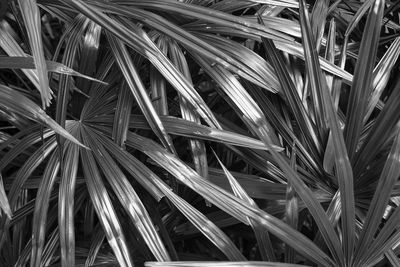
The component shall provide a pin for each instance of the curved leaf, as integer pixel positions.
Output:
(13, 101)
(31, 14)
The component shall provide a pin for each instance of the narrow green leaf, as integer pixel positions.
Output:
(201, 222)
(138, 39)
(282, 127)
(392, 258)
(291, 210)
(24, 255)
(41, 209)
(387, 180)
(31, 15)
(262, 236)
(136, 168)
(158, 83)
(122, 114)
(246, 107)
(358, 16)
(52, 66)
(262, 73)
(198, 147)
(4, 205)
(334, 85)
(12, 48)
(135, 83)
(234, 206)
(97, 242)
(391, 240)
(189, 40)
(382, 130)
(306, 125)
(313, 73)
(318, 20)
(128, 197)
(209, 15)
(255, 186)
(27, 169)
(13, 101)
(344, 170)
(23, 145)
(362, 81)
(193, 130)
(280, 24)
(89, 54)
(282, 3)
(71, 37)
(66, 201)
(51, 247)
(382, 74)
(296, 49)
(104, 208)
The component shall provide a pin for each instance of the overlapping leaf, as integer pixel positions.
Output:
(104, 208)
(128, 197)
(13, 101)
(135, 83)
(362, 81)
(28, 63)
(232, 205)
(31, 15)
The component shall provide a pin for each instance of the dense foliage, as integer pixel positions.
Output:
(199, 133)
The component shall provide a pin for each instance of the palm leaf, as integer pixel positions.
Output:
(71, 38)
(69, 169)
(209, 15)
(97, 242)
(128, 197)
(282, 3)
(262, 236)
(201, 222)
(122, 115)
(362, 81)
(246, 107)
(104, 208)
(381, 75)
(135, 83)
(306, 125)
(189, 129)
(138, 40)
(5, 206)
(41, 209)
(392, 258)
(342, 162)
(12, 101)
(23, 145)
(89, 53)
(12, 48)
(194, 130)
(232, 205)
(22, 175)
(16, 62)
(382, 194)
(137, 169)
(158, 83)
(31, 15)
(291, 210)
(318, 20)
(198, 147)
(382, 131)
